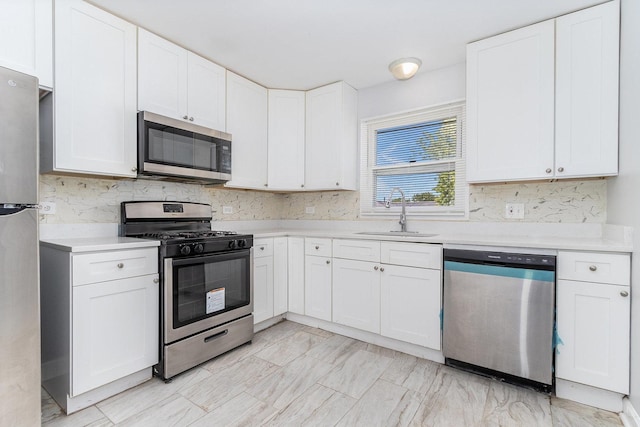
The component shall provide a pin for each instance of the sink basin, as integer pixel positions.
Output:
(397, 233)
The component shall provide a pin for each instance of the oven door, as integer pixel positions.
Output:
(205, 291)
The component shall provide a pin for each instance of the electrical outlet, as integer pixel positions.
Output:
(227, 210)
(47, 208)
(514, 211)
(310, 210)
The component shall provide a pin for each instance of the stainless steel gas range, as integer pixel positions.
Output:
(206, 297)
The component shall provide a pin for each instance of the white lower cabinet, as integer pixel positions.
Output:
(115, 330)
(593, 320)
(269, 278)
(356, 294)
(317, 287)
(295, 267)
(410, 305)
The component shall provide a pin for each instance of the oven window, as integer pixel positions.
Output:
(208, 286)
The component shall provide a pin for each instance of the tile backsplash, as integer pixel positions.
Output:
(94, 200)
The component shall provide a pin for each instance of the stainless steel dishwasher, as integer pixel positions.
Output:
(498, 314)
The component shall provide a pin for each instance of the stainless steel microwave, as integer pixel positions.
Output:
(173, 149)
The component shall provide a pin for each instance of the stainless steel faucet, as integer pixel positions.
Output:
(403, 215)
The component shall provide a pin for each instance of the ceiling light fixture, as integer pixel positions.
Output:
(404, 68)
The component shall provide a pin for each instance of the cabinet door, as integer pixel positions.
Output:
(114, 330)
(410, 305)
(286, 139)
(331, 138)
(95, 97)
(587, 58)
(356, 294)
(510, 105)
(247, 123)
(262, 288)
(317, 287)
(206, 93)
(593, 326)
(280, 276)
(295, 266)
(162, 76)
(26, 43)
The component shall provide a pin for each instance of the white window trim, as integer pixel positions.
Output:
(367, 159)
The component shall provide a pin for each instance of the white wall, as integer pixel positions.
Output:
(624, 191)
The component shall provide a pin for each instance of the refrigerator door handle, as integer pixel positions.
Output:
(11, 208)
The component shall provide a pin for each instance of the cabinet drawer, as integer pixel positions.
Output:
(412, 254)
(262, 247)
(594, 267)
(102, 266)
(363, 250)
(320, 247)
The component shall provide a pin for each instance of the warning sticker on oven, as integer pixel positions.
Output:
(215, 300)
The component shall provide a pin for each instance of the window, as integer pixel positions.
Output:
(420, 152)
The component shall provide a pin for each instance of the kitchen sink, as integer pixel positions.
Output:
(397, 233)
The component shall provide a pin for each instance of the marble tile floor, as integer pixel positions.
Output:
(294, 375)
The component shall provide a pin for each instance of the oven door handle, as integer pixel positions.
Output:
(215, 257)
(216, 336)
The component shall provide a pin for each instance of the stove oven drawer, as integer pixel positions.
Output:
(98, 267)
(183, 355)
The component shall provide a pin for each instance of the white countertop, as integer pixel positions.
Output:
(599, 244)
(92, 244)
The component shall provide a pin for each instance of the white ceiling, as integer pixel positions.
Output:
(302, 44)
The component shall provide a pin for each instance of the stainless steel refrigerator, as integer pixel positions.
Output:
(19, 270)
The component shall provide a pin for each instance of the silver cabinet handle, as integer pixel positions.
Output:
(593, 268)
(266, 185)
(548, 170)
(120, 265)
(134, 169)
(156, 280)
(560, 169)
(262, 248)
(337, 183)
(190, 119)
(381, 268)
(375, 268)
(624, 293)
(317, 247)
(301, 185)
(328, 262)
(185, 117)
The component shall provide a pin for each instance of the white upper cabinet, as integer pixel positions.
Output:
(177, 83)
(542, 101)
(95, 96)
(247, 124)
(587, 46)
(331, 138)
(286, 140)
(510, 105)
(26, 38)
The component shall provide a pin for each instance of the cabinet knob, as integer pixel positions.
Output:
(262, 248)
(328, 262)
(134, 169)
(548, 170)
(593, 268)
(381, 268)
(624, 294)
(120, 265)
(156, 280)
(375, 268)
(301, 185)
(185, 117)
(337, 183)
(317, 247)
(266, 185)
(190, 119)
(560, 169)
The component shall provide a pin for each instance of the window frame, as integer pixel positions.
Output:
(368, 133)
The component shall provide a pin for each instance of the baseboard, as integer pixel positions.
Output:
(629, 415)
(587, 395)
(369, 337)
(267, 323)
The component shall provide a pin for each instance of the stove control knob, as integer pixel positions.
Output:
(233, 244)
(185, 250)
(198, 248)
(242, 243)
